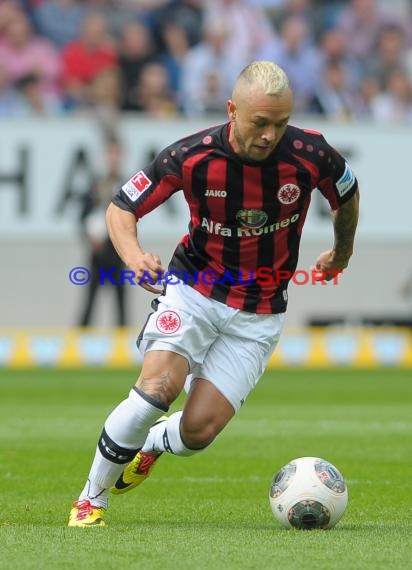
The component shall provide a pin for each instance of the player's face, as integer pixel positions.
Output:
(258, 122)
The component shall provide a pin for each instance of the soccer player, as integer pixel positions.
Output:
(248, 184)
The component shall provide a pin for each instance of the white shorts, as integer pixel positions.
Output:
(226, 346)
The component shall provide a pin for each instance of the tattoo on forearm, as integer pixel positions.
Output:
(345, 223)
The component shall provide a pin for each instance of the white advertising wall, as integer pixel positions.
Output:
(46, 165)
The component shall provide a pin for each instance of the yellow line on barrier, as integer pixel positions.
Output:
(115, 348)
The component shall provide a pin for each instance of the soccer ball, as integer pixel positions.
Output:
(308, 493)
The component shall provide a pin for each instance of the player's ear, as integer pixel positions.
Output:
(231, 110)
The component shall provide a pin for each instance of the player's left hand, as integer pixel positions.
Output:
(328, 266)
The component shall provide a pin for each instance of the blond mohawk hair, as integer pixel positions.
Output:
(267, 75)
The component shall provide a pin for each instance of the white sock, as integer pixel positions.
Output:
(125, 431)
(165, 436)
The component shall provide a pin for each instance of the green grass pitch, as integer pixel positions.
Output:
(209, 511)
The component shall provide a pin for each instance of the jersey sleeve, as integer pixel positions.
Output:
(337, 182)
(152, 185)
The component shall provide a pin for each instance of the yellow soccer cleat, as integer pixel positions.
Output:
(84, 514)
(135, 473)
(138, 469)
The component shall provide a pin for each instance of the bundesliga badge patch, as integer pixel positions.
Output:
(136, 185)
(346, 181)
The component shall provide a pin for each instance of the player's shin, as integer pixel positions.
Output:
(124, 432)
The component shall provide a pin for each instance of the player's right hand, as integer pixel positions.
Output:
(149, 272)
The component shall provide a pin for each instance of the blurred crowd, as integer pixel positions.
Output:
(347, 60)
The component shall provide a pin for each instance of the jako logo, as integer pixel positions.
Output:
(216, 193)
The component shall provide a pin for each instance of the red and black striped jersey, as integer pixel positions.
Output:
(244, 215)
